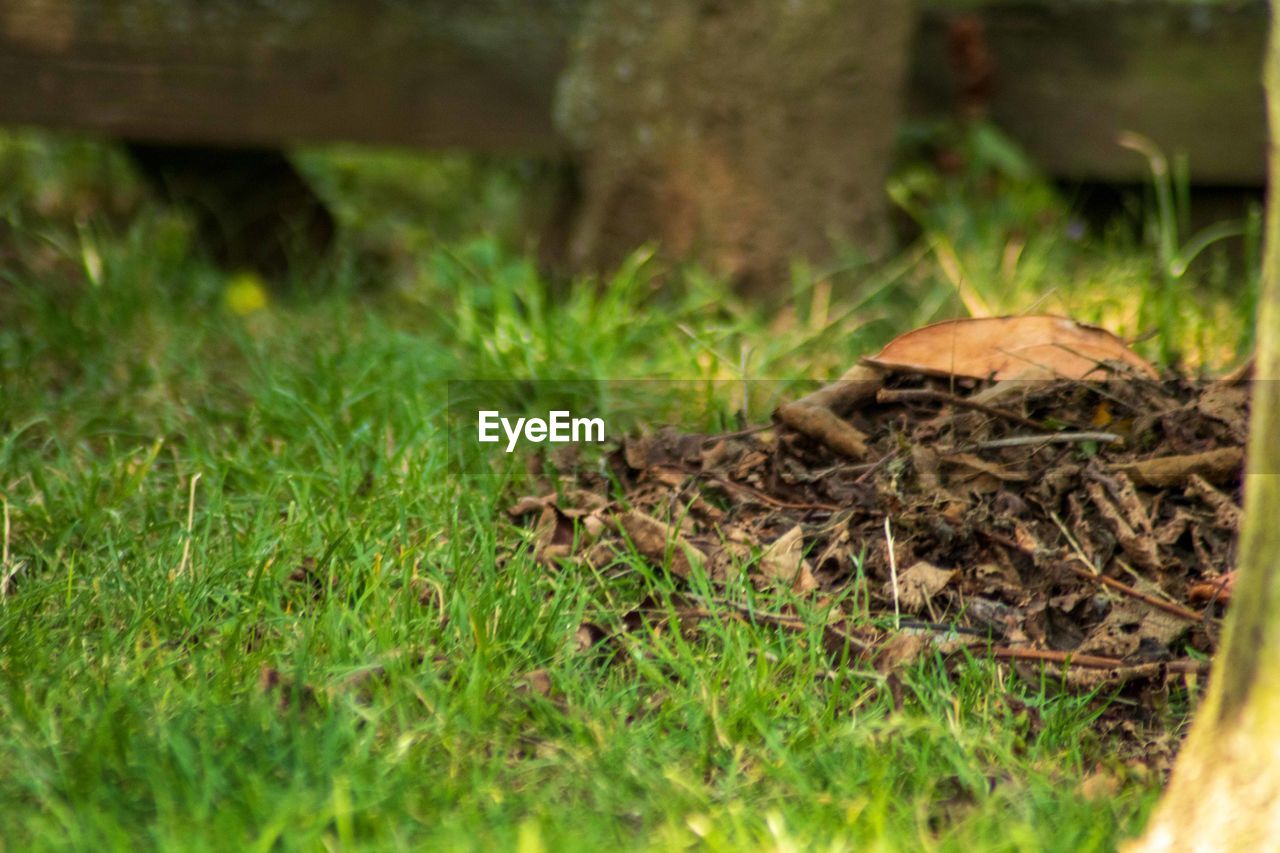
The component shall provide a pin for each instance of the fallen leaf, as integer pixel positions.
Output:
(588, 636)
(1140, 546)
(783, 562)
(553, 534)
(1024, 347)
(651, 538)
(982, 466)
(927, 463)
(1216, 590)
(918, 584)
(901, 651)
(535, 682)
(529, 505)
(1228, 404)
(1219, 465)
(1227, 515)
(1130, 625)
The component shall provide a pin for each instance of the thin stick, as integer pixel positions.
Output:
(903, 395)
(1096, 662)
(1049, 438)
(191, 517)
(1074, 544)
(875, 466)
(1096, 575)
(4, 553)
(893, 573)
(1167, 606)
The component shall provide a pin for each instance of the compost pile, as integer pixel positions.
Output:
(1085, 523)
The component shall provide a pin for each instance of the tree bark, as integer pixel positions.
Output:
(741, 134)
(1225, 790)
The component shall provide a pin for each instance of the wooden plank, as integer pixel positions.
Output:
(1070, 74)
(431, 73)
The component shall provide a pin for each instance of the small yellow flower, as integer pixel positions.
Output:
(246, 293)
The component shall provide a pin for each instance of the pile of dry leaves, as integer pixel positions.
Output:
(1026, 488)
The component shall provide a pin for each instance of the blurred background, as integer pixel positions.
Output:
(1099, 159)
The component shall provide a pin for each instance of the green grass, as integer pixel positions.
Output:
(166, 464)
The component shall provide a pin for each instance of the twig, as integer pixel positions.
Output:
(818, 415)
(1167, 606)
(822, 424)
(842, 468)
(1049, 438)
(781, 620)
(1095, 661)
(875, 466)
(1094, 574)
(903, 395)
(893, 573)
(1074, 544)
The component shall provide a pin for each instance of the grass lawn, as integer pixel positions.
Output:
(249, 605)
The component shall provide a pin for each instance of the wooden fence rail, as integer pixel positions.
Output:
(1069, 75)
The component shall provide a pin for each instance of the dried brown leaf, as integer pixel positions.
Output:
(1229, 404)
(983, 466)
(530, 505)
(651, 538)
(1220, 465)
(1226, 514)
(1140, 547)
(535, 682)
(1214, 590)
(1022, 347)
(902, 650)
(1130, 625)
(919, 583)
(783, 562)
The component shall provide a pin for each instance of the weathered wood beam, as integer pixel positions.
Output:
(432, 73)
(1069, 74)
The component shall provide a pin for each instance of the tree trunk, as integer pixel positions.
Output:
(1225, 789)
(742, 134)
